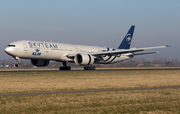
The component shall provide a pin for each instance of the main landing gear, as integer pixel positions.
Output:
(89, 68)
(65, 67)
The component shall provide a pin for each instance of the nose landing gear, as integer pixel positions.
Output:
(17, 65)
(16, 61)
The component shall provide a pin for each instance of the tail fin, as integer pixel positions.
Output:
(125, 44)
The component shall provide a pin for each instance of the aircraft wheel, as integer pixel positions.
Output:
(85, 68)
(89, 68)
(64, 68)
(68, 68)
(17, 65)
(93, 68)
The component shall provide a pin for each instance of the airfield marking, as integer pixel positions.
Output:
(86, 91)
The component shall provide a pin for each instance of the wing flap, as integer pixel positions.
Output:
(156, 47)
(145, 53)
(116, 52)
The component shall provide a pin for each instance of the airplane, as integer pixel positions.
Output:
(41, 53)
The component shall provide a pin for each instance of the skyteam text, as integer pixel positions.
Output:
(43, 45)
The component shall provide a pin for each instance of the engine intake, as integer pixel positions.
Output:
(83, 59)
(37, 62)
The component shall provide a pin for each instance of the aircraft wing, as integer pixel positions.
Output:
(132, 50)
(123, 51)
(110, 53)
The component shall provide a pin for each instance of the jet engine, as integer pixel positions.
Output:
(37, 62)
(83, 59)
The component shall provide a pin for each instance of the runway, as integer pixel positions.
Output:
(112, 69)
(85, 91)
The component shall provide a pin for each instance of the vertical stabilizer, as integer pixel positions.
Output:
(126, 43)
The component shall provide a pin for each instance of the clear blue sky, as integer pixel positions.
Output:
(93, 22)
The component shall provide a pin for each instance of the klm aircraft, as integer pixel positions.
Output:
(40, 53)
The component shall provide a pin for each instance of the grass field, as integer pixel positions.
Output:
(141, 102)
(144, 102)
(85, 80)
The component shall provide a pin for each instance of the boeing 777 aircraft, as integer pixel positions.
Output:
(41, 53)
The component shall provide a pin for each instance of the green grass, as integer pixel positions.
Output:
(146, 101)
(85, 80)
(165, 101)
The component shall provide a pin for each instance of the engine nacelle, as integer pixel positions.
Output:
(83, 59)
(37, 62)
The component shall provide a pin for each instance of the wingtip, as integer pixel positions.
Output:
(169, 45)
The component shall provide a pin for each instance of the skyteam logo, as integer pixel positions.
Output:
(37, 53)
(128, 38)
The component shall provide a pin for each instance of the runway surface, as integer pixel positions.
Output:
(128, 69)
(85, 91)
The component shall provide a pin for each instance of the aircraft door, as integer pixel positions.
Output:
(47, 53)
(77, 50)
(47, 50)
(25, 47)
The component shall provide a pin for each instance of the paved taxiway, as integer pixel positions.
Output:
(131, 69)
(85, 91)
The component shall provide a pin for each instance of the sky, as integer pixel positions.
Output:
(92, 22)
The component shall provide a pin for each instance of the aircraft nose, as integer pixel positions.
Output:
(8, 50)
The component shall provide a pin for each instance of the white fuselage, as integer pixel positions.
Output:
(58, 51)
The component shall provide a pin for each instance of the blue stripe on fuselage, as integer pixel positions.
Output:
(106, 55)
(111, 60)
(107, 59)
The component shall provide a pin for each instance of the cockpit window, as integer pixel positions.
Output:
(11, 45)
